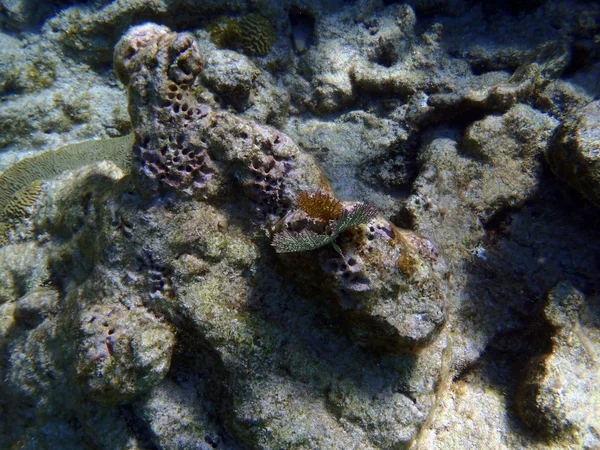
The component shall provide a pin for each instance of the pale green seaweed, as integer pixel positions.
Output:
(50, 164)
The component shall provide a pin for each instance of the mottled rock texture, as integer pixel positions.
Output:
(382, 279)
(575, 151)
(170, 270)
(558, 393)
(439, 114)
(400, 304)
(64, 353)
(122, 353)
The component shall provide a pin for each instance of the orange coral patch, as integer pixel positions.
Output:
(319, 205)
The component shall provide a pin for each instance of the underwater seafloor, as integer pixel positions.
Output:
(299, 224)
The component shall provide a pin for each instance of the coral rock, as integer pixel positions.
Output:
(159, 68)
(122, 353)
(384, 282)
(559, 393)
(574, 153)
(185, 146)
(252, 33)
(230, 75)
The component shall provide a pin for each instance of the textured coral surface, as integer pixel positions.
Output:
(333, 225)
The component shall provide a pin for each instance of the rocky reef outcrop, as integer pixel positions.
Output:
(558, 394)
(173, 267)
(312, 225)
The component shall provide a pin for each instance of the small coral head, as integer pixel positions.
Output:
(319, 205)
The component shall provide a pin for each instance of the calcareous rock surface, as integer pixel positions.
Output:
(575, 151)
(300, 225)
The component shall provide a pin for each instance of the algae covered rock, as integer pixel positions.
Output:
(35, 306)
(341, 344)
(23, 266)
(270, 357)
(574, 153)
(204, 265)
(70, 206)
(510, 146)
(176, 419)
(370, 54)
(230, 75)
(51, 164)
(383, 279)
(494, 91)
(25, 74)
(215, 144)
(122, 353)
(359, 151)
(167, 158)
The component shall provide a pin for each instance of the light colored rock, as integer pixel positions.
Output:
(121, 353)
(559, 394)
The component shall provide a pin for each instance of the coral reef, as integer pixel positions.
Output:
(47, 102)
(194, 267)
(267, 165)
(18, 208)
(147, 297)
(22, 200)
(51, 164)
(168, 158)
(384, 279)
(20, 185)
(256, 34)
(23, 75)
(253, 33)
(122, 353)
(230, 75)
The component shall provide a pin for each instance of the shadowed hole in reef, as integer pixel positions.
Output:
(385, 54)
(40, 12)
(303, 25)
(584, 52)
(499, 222)
(196, 363)
(138, 428)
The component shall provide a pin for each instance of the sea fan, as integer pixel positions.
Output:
(304, 240)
